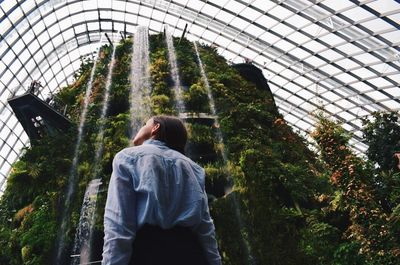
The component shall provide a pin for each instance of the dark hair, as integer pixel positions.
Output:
(172, 132)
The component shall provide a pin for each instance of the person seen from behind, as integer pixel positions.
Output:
(157, 210)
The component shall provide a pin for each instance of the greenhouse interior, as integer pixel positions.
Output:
(291, 107)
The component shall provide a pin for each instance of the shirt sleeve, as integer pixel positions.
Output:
(206, 229)
(206, 234)
(119, 216)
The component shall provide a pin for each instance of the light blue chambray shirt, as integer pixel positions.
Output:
(154, 184)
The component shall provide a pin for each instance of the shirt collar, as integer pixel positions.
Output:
(154, 142)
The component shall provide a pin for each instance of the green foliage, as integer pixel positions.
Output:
(161, 104)
(162, 97)
(273, 171)
(319, 240)
(382, 135)
(196, 98)
(348, 254)
(285, 206)
(38, 232)
(120, 85)
(368, 229)
(199, 133)
(187, 62)
(233, 248)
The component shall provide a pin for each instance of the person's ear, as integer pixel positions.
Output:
(155, 129)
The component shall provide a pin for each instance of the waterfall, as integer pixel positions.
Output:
(220, 140)
(72, 176)
(81, 250)
(179, 104)
(211, 104)
(141, 85)
(104, 109)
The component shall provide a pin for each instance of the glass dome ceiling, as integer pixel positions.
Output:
(342, 55)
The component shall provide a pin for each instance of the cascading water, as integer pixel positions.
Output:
(211, 104)
(72, 173)
(179, 104)
(245, 243)
(84, 233)
(140, 74)
(100, 136)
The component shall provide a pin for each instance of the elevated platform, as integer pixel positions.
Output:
(199, 118)
(37, 117)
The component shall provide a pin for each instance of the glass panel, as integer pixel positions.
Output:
(91, 15)
(347, 63)
(5, 26)
(331, 96)
(38, 27)
(296, 100)
(366, 58)
(93, 26)
(356, 13)
(297, 21)
(7, 5)
(50, 19)
(224, 16)
(28, 37)
(280, 12)
(314, 61)
(379, 82)
(239, 23)
(304, 82)
(44, 37)
(305, 94)
(269, 38)
(8, 58)
(282, 29)
(118, 5)
(331, 55)
(249, 13)
(234, 6)
(363, 73)
(15, 15)
(144, 21)
(298, 37)
(263, 5)
(105, 4)
(376, 95)
(395, 18)
(314, 46)
(391, 104)
(392, 36)
(282, 93)
(132, 7)
(16, 65)
(361, 87)
(383, 6)
(266, 21)
(106, 26)
(284, 45)
(27, 5)
(330, 69)
(349, 49)
(145, 11)
(332, 40)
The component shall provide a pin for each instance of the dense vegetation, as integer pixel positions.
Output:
(272, 199)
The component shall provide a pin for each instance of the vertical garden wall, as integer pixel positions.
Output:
(272, 199)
